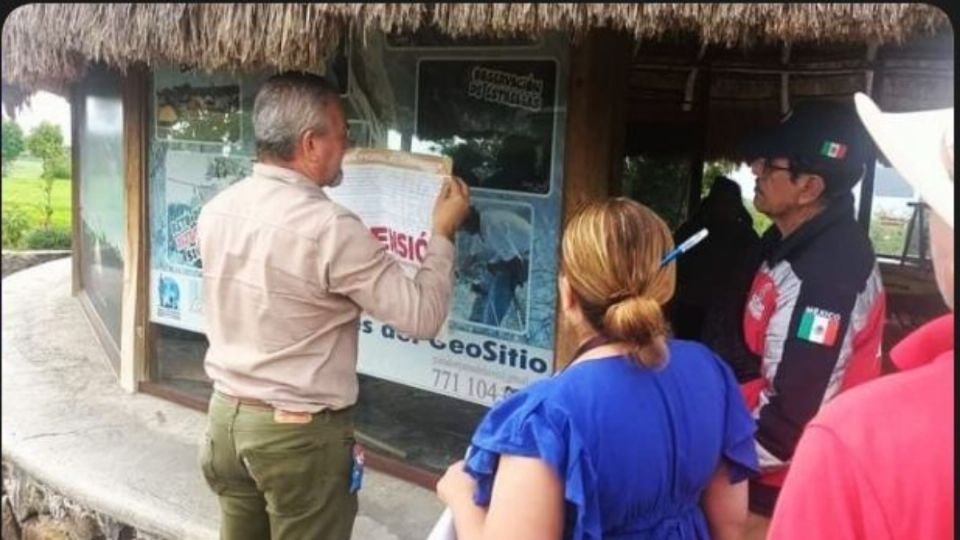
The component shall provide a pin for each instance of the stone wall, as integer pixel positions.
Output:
(32, 511)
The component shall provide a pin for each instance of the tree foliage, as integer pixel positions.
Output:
(46, 142)
(13, 143)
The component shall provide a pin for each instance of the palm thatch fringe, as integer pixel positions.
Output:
(48, 45)
(725, 23)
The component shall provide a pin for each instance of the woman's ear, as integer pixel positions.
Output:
(570, 310)
(569, 304)
(566, 293)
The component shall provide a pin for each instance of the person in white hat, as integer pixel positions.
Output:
(877, 462)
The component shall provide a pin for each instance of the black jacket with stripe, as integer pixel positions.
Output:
(815, 316)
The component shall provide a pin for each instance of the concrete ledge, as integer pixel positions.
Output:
(67, 424)
(14, 261)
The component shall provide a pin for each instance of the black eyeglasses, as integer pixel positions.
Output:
(762, 166)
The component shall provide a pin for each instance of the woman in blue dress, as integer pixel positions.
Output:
(641, 436)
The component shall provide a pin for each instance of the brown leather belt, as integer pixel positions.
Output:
(264, 405)
(246, 401)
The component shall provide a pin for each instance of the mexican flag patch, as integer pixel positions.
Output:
(819, 326)
(833, 150)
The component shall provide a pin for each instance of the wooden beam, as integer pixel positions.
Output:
(135, 92)
(596, 126)
(794, 70)
(688, 94)
(785, 80)
(869, 73)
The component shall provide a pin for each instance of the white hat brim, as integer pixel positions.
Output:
(913, 142)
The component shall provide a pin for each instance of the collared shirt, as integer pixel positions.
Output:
(877, 462)
(286, 274)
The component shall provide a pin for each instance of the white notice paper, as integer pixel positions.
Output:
(393, 194)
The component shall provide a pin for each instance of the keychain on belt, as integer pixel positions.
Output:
(356, 468)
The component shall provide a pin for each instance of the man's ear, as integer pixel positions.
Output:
(307, 143)
(812, 187)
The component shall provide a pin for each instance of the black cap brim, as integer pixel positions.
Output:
(769, 143)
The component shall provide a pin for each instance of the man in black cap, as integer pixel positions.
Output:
(815, 311)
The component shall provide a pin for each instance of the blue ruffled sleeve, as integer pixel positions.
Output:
(739, 448)
(528, 424)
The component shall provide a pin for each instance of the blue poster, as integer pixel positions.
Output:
(199, 146)
(498, 120)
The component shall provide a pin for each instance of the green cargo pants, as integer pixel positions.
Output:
(279, 481)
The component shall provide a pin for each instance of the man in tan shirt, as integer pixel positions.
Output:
(286, 274)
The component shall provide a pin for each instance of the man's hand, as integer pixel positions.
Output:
(451, 207)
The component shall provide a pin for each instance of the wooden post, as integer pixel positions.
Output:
(77, 100)
(135, 88)
(596, 127)
(872, 80)
(866, 191)
(700, 149)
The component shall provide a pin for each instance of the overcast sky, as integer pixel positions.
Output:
(44, 106)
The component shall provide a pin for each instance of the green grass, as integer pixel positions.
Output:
(888, 238)
(24, 188)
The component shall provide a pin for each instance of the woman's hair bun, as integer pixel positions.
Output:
(638, 320)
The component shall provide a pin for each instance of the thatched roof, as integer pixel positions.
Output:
(49, 45)
(680, 93)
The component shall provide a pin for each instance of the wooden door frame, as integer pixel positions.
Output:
(596, 106)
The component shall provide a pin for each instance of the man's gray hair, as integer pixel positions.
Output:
(287, 105)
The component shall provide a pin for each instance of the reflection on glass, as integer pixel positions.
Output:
(102, 227)
(422, 428)
(394, 139)
(200, 113)
(494, 118)
(102, 273)
(659, 182)
(178, 360)
(358, 131)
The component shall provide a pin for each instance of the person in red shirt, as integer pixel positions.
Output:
(877, 462)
